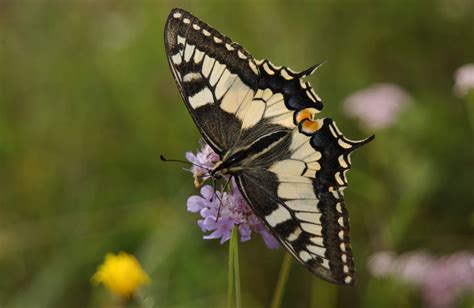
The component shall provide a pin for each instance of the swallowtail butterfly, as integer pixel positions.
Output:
(261, 120)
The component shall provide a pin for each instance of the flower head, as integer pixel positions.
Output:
(441, 280)
(121, 274)
(377, 106)
(464, 80)
(221, 211)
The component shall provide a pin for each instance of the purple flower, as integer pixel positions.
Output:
(377, 106)
(441, 280)
(221, 211)
(464, 80)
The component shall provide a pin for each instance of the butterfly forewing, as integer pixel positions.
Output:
(216, 77)
(296, 167)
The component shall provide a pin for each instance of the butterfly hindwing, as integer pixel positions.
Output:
(299, 197)
(292, 166)
(314, 229)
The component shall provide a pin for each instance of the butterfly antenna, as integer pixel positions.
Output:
(183, 161)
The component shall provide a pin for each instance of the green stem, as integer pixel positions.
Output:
(282, 279)
(238, 298)
(230, 275)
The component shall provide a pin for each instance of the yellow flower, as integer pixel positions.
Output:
(121, 274)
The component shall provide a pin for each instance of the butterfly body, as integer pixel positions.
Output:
(258, 153)
(262, 121)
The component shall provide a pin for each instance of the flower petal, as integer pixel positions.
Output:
(191, 157)
(216, 234)
(208, 212)
(207, 191)
(245, 232)
(226, 235)
(269, 240)
(195, 204)
(209, 223)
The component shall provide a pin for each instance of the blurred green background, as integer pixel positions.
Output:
(88, 103)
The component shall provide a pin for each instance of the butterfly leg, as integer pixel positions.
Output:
(220, 200)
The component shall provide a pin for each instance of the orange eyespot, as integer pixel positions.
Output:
(307, 113)
(302, 115)
(309, 126)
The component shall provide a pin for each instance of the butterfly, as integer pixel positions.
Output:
(262, 121)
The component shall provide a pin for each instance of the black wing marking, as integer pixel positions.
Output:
(335, 159)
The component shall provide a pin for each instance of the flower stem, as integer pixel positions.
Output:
(233, 278)
(235, 243)
(282, 279)
(230, 275)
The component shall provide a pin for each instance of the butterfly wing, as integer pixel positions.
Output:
(217, 78)
(300, 199)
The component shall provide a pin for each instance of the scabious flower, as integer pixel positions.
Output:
(464, 80)
(122, 274)
(441, 280)
(221, 211)
(377, 106)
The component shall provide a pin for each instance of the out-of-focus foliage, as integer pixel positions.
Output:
(87, 105)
